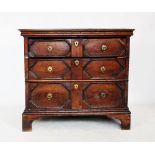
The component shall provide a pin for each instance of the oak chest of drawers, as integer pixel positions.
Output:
(76, 72)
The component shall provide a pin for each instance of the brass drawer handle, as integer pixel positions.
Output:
(76, 62)
(49, 48)
(76, 43)
(103, 95)
(104, 48)
(49, 96)
(50, 69)
(76, 86)
(103, 69)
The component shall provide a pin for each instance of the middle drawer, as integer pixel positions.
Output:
(78, 69)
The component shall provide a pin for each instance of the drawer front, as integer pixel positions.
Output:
(78, 69)
(76, 95)
(50, 69)
(103, 95)
(106, 68)
(49, 48)
(54, 96)
(77, 47)
(104, 47)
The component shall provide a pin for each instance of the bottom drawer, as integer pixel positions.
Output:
(48, 96)
(75, 95)
(103, 95)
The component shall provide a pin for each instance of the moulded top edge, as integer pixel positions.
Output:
(76, 32)
(79, 30)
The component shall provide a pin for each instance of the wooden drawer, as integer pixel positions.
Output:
(78, 69)
(50, 69)
(55, 96)
(76, 95)
(105, 68)
(103, 95)
(78, 47)
(49, 48)
(104, 47)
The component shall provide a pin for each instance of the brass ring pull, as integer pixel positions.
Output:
(104, 48)
(76, 86)
(103, 95)
(76, 62)
(50, 69)
(76, 43)
(103, 69)
(49, 48)
(49, 96)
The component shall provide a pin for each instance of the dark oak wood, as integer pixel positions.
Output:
(89, 95)
(49, 48)
(103, 95)
(104, 68)
(28, 118)
(50, 69)
(115, 47)
(51, 96)
(94, 68)
(76, 32)
(76, 72)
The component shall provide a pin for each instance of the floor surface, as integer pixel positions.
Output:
(79, 129)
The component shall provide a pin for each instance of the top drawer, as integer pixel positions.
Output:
(104, 47)
(49, 48)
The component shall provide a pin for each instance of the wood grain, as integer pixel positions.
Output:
(76, 57)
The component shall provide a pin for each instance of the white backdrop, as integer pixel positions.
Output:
(142, 63)
(141, 79)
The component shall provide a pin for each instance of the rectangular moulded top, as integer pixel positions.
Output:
(76, 32)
